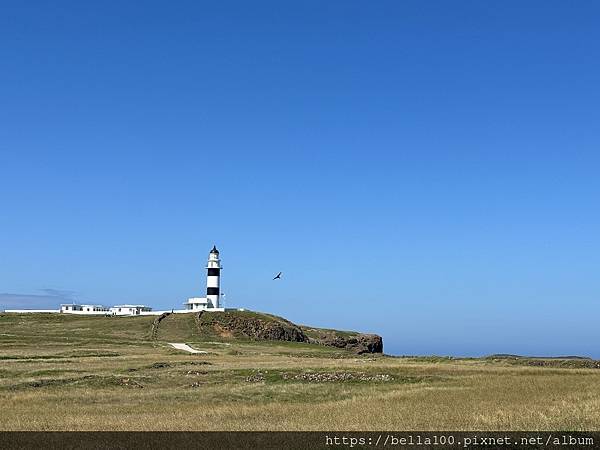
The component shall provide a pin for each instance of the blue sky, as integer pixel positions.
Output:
(426, 171)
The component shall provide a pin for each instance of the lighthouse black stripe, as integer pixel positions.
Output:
(214, 272)
(212, 291)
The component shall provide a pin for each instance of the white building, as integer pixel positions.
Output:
(196, 304)
(73, 308)
(129, 310)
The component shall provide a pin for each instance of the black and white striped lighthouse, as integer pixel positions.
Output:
(213, 278)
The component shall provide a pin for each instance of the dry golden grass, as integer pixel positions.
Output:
(89, 378)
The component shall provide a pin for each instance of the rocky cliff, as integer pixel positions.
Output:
(250, 325)
(260, 326)
(357, 342)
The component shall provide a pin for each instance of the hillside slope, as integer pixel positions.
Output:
(225, 326)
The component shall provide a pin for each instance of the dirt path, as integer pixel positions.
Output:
(185, 347)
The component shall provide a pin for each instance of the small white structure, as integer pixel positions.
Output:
(196, 304)
(129, 310)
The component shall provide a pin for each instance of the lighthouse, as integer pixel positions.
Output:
(213, 278)
(213, 285)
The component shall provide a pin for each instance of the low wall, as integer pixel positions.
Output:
(108, 313)
(178, 311)
(158, 313)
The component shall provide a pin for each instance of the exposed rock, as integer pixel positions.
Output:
(130, 382)
(567, 363)
(156, 323)
(196, 372)
(252, 326)
(259, 326)
(322, 377)
(356, 342)
(256, 378)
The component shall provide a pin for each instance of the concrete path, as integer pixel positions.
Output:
(185, 347)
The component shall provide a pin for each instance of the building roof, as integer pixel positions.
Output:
(82, 304)
(214, 250)
(130, 306)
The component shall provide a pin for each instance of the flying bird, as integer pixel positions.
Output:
(278, 277)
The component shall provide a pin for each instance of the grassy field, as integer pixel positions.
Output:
(61, 372)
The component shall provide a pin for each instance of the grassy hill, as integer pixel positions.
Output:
(64, 372)
(223, 326)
